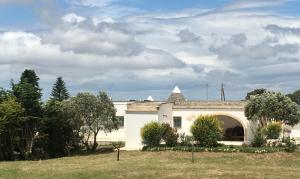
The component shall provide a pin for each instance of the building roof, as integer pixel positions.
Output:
(209, 105)
(143, 106)
(176, 96)
(176, 90)
(150, 98)
(179, 102)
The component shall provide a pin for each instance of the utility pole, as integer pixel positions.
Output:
(222, 93)
(207, 92)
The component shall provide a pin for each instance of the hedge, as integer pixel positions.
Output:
(229, 149)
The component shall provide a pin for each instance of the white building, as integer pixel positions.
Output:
(180, 114)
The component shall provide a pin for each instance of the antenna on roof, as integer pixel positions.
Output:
(222, 93)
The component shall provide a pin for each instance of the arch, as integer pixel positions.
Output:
(236, 119)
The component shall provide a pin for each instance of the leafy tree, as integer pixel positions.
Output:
(28, 93)
(59, 90)
(4, 94)
(92, 113)
(56, 130)
(271, 106)
(255, 92)
(10, 117)
(207, 130)
(295, 97)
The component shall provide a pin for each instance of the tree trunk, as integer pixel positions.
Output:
(118, 155)
(95, 144)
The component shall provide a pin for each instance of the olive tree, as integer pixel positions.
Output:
(91, 114)
(270, 106)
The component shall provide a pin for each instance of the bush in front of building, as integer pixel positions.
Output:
(207, 130)
(259, 139)
(273, 130)
(170, 135)
(225, 149)
(185, 140)
(152, 134)
(289, 144)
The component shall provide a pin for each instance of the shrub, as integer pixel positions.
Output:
(259, 139)
(207, 131)
(170, 135)
(226, 149)
(152, 134)
(185, 139)
(273, 130)
(290, 144)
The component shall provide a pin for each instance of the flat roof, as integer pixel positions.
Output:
(144, 106)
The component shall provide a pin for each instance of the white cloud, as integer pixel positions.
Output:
(73, 18)
(245, 4)
(152, 52)
(93, 3)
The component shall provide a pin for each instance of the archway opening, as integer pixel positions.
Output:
(232, 129)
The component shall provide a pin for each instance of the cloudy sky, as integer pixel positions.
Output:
(136, 48)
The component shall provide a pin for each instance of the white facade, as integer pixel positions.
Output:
(137, 114)
(118, 135)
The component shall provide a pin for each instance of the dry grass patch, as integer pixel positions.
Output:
(168, 164)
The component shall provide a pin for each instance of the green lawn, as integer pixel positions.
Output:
(136, 164)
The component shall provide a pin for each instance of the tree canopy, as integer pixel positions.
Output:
(255, 92)
(270, 106)
(93, 113)
(295, 97)
(28, 94)
(59, 90)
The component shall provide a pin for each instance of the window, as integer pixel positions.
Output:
(121, 121)
(177, 122)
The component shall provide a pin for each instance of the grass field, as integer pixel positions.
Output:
(136, 164)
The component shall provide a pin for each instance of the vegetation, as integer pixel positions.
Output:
(170, 135)
(185, 140)
(295, 97)
(226, 149)
(90, 114)
(60, 91)
(207, 130)
(271, 106)
(259, 139)
(290, 144)
(152, 134)
(10, 123)
(30, 129)
(255, 92)
(28, 93)
(273, 130)
(171, 164)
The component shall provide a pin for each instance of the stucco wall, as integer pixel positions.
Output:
(189, 115)
(165, 113)
(134, 121)
(117, 135)
(295, 133)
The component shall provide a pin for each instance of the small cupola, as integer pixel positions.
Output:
(150, 98)
(176, 96)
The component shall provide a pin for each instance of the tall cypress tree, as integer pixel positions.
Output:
(59, 90)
